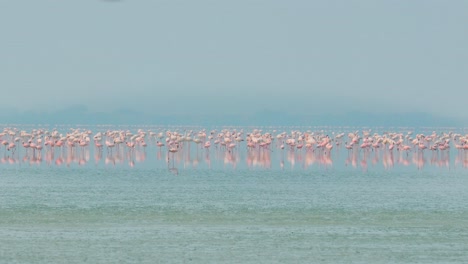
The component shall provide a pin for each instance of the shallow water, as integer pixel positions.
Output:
(81, 205)
(109, 214)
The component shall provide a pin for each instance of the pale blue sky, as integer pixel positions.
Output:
(231, 57)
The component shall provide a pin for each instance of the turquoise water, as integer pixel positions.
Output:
(217, 205)
(116, 214)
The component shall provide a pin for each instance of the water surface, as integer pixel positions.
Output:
(105, 214)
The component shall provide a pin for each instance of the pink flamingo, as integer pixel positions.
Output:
(110, 145)
(12, 147)
(207, 144)
(231, 146)
(98, 145)
(159, 144)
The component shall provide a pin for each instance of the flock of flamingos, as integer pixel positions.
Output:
(251, 147)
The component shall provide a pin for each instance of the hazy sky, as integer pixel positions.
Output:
(235, 56)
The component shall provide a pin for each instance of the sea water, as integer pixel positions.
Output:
(239, 206)
(104, 214)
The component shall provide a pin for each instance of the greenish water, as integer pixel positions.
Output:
(148, 215)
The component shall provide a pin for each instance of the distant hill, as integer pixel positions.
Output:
(81, 115)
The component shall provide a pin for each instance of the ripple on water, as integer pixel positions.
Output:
(101, 215)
